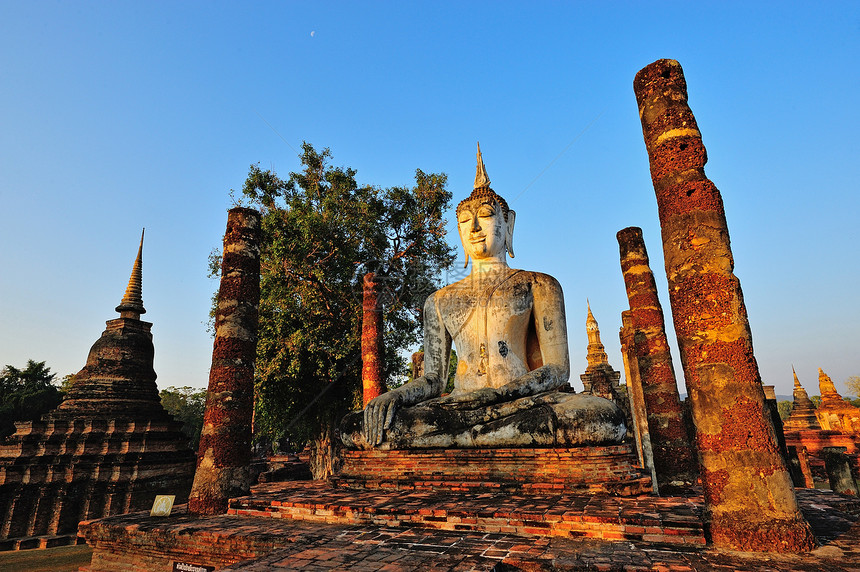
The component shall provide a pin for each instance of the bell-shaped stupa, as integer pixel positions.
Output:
(109, 447)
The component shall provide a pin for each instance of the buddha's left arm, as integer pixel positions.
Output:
(551, 328)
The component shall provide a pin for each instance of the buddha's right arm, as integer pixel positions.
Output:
(380, 411)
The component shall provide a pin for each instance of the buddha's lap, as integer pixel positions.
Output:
(549, 419)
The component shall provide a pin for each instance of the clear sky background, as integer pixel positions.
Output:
(120, 115)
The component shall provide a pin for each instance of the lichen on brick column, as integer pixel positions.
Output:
(673, 456)
(224, 456)
(371, 340)
(749, 500)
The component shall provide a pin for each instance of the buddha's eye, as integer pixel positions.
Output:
(486, 212)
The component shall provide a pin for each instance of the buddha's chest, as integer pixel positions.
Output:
(489, 331)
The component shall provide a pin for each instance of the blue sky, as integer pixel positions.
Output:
(121, 115)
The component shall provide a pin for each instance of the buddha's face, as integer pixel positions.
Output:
(482, 228)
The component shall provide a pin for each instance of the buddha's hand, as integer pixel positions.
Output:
(473, 399)
(379, 415)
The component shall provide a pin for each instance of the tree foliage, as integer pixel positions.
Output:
(26, 394)
(853, 385)
(784, 408)
(322, 232)
(187, 405)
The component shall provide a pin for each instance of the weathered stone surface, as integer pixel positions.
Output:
(509, 330)
(109, 448)
(637, 398)
(224, 456)
(837, 463)
(748, 493)
(674, 460)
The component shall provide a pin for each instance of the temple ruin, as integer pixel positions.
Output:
(109, 447)
(510, 456)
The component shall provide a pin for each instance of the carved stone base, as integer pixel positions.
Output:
(608, 469)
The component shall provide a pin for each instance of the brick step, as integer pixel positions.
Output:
(579, 470)
(669, 521)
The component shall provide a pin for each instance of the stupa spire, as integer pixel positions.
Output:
(802, 416)
(826, 387)
(131, 305)
(482, 180)
(596, 352)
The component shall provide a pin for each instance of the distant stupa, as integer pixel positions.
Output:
(109, 447)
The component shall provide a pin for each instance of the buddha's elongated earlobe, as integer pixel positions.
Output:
(509, 233)
(466, 264)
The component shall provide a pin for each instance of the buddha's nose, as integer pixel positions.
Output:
(476, 224)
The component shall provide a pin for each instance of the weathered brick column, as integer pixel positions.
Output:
(371, 340)
(674, 459)
(224, 456)
(749, 500)
(627, 336)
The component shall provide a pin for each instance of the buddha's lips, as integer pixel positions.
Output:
(478, 239)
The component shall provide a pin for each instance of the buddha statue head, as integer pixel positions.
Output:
(484, 220)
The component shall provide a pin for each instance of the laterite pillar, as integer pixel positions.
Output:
(749, 500)
(224, 456)
(371, 341)
(674, 458)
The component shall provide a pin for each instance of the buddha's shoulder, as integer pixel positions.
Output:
(535, 279)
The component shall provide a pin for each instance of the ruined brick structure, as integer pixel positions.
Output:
(803, 431)
(803, 411)
(835, 413)
(674, 460)
(749, 497)
(108, 449)
(600, 378)
(224, 456)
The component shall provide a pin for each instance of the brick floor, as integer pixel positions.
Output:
(287, 544)
(668, 520)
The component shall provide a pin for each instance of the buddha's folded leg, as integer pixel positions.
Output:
(587, 420)
(545, 420)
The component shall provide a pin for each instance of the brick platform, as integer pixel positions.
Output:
(587, 470)
(647, 519)
(140, 543)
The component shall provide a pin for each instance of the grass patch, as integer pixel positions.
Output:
(59, 559)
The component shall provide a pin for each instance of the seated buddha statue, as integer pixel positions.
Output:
(511, 383)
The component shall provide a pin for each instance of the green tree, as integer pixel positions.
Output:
(26, 394)
(187, 405)
(816, 400)
(784, 408)
(322, 232)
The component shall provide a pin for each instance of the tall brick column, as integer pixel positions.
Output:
(674, 459)
(224, 456)
(749, 500)
(371, 341)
